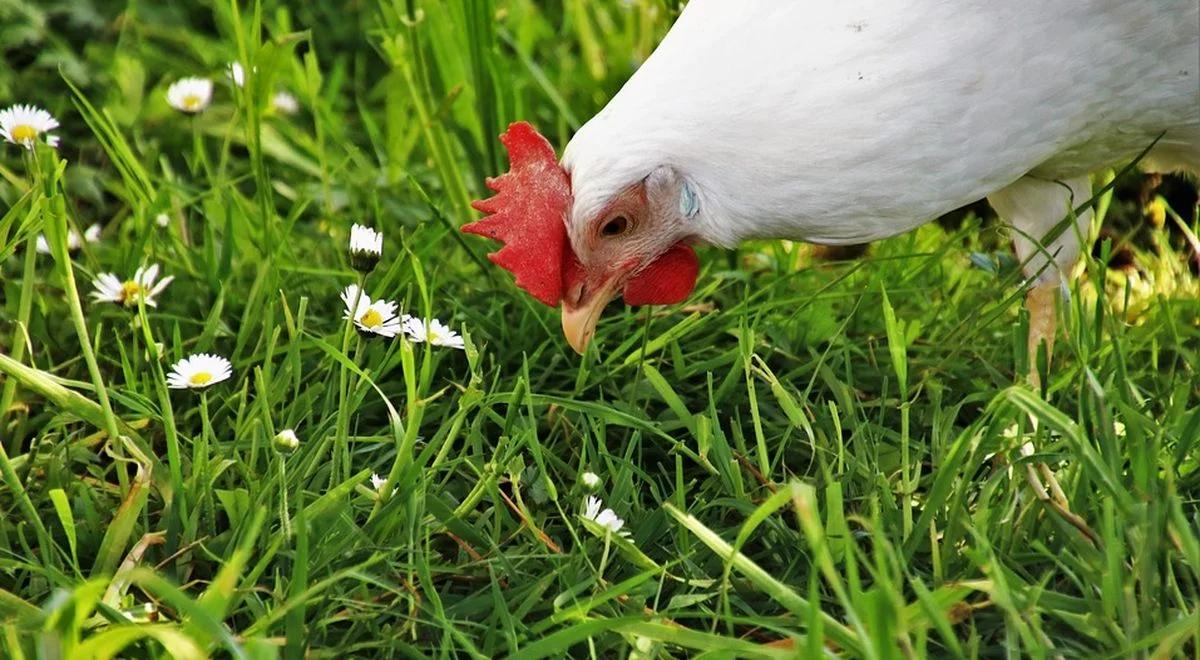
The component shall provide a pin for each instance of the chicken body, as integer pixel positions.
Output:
(848, 122)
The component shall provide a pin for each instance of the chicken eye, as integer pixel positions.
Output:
(615, 226)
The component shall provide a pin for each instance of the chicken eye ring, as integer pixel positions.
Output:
(615, 226)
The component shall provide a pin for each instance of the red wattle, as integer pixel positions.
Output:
(668, 279)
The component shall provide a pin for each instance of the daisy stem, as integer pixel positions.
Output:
(199, 157)
(406, 438)
(11, 479)
(200, 459)
(57, 212)
(24, 309)
(358, 350)
(342, 441)
(174, 463)
(604, 556)
(285, 520)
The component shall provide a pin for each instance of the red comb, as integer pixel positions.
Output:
(668, 279)
(527, 214)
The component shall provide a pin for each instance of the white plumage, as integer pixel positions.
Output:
(852, 121)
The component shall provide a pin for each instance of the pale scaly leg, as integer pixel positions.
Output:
(1043, 321)
(1033, 207)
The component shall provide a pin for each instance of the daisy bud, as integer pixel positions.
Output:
(285, 104)
(366, 246)
(590, 480)
(286, 441)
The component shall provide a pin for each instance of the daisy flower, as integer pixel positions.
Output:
(433, 331)
(366, 246)
(197, 372)
(605, 518)
(74, 240)
(285, 104)
(109, 288)
(22, 124)
(190, 95)
(371, 317)
(377, 483)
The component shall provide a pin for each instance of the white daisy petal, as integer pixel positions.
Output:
(236, 73)
(610, 520)
(108, 288)
(190, 95)
(365, 239)
(378, 482)
(415, 329)
(146, 274)
(386, 307)
(356, 302)
(162, 284)
(593, 507)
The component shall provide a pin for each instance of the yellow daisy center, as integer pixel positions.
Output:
(371, 319)
(200, 378)
(191, 101)
(24, 133)
(130, 290)
(433, 336)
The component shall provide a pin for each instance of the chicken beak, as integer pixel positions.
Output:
(579, 318)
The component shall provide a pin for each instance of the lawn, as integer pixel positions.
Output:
(806, 458)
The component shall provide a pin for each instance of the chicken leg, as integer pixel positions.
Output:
(1034, 207)
(1043, 321)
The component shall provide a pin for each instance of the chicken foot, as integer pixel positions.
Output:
(1033, 207)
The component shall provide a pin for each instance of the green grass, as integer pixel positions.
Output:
(810, 458)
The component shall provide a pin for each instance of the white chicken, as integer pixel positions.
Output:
(847, 122)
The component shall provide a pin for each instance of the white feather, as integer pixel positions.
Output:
(847, 122)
